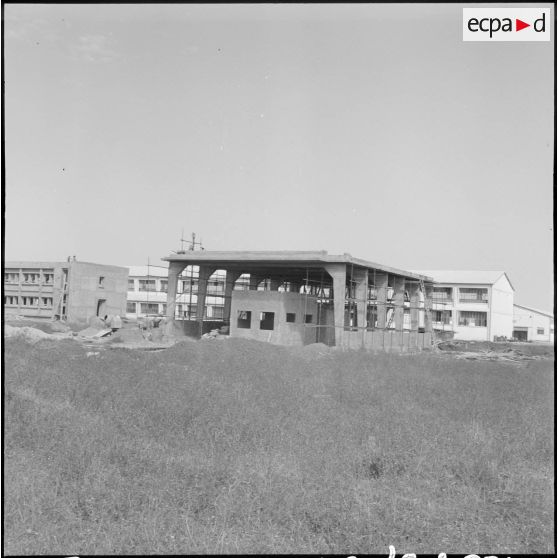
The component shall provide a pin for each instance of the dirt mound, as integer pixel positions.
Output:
(128, 335)
(57, 327)
(243, 350)
(96, 322)
(30, 334)
(45, 326)
(312, 351)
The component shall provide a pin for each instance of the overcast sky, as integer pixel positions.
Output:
(368, 129)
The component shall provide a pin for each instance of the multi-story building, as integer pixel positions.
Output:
(474, 305)
(530, 324)
(71, 290)
(147, 293)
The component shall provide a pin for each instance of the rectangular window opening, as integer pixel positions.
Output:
(473, 295)
(442, 294)
(266, 320)
(244, 319)
(146, 285)
(472, 319)
(218, 312)
(149, 308)
(291, 317)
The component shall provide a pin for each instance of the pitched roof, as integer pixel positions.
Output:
(468, 276)
(549, 314)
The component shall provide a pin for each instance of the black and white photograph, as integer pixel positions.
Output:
(279, 278)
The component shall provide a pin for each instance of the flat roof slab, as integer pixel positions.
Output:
(260, 261)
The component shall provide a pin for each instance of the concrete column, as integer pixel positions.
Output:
(275, 284)
(175, 269)
(381, 293)
(429, 289)
(255, 280)
(414, 296)
(230, 279)
(204, 274)
(361, 295)
(338, 273)
(295, 287)
(399, 302)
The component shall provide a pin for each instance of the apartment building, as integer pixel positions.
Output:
(71, 290)
(474, 305)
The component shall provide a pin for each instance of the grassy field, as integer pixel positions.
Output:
(242, 447)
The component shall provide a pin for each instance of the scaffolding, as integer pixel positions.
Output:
(393, 303)
(323, 293)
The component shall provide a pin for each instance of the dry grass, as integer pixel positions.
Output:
(242, 447)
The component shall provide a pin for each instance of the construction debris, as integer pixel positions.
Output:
(213, 334)
(94, 333)
(512, 353)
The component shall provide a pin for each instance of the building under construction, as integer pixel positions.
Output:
(298, 298)
(71, 290)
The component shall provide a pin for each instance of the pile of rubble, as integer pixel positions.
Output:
(488, 351)
(219, 333)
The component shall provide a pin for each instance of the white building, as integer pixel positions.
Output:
(530, 324)
(475, 305)
(147, 293)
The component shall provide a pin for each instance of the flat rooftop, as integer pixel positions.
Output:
(47, 265)
(284, 259)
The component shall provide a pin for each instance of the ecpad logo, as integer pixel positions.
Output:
(506, 24)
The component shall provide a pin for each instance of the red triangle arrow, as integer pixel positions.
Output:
(519, 25)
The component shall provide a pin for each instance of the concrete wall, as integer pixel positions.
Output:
(298, 333)
(388, 340)
(281, 303)
(86, 289)
(501, 309)
(531, 320)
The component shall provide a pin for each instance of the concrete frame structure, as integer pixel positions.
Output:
(474, 305)
(71, 290)
(314, 297)
(530, 324)
(147, 293)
